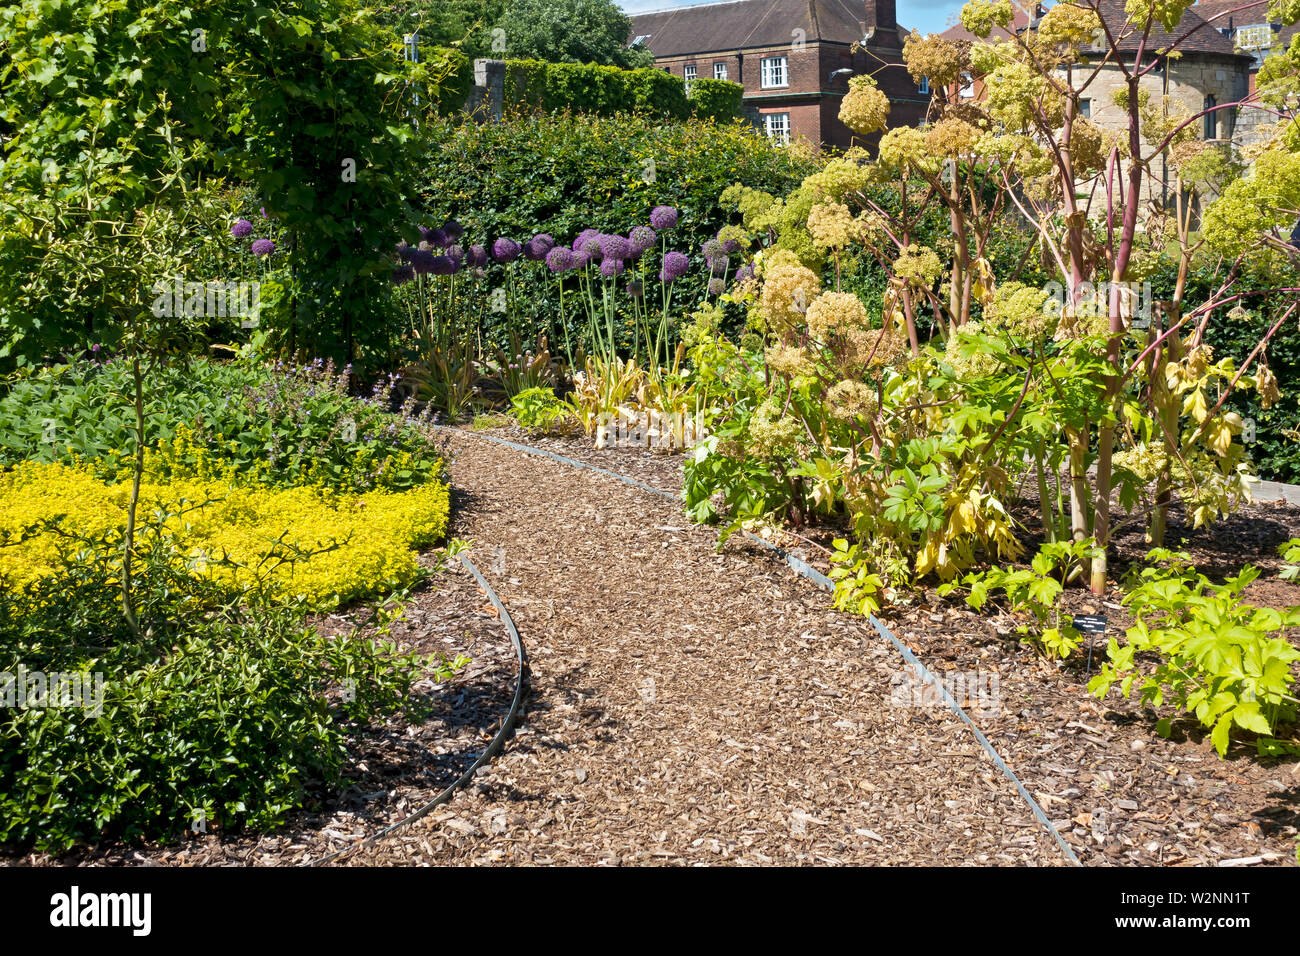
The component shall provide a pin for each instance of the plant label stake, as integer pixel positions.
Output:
(1090, 624)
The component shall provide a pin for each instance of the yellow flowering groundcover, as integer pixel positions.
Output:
(230, 531)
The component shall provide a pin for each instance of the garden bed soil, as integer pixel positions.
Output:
(1117, 791)
(395, 768)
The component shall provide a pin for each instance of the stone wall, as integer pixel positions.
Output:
(1187, 83)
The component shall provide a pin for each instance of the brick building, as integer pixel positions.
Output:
(793, 57)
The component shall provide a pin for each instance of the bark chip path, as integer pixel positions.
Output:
(693, 707)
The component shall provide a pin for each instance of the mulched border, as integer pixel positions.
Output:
(1118, 792)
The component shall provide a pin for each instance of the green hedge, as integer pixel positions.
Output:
(563, 173)
(590, 88)
(716, 99)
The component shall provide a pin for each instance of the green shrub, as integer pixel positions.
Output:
(456, 72)
(307, 106)
(538, 409)
(288, 427)
(1200, 647)
(717, 100)
(229, 710)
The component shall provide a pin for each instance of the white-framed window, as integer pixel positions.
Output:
(924, 86)
(719, 71)
(777, 126)
(967, 87)
(1257, 36)
(688, 73)
(775, 71)
(1085, 108)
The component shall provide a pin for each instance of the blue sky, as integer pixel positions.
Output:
(928, 16)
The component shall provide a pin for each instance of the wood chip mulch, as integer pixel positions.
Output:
(691, 707)
(1117, 791)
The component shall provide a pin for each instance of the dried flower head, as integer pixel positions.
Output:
(788, 360)
(835, 313)
(832, 225)
(787, 291)
(865, 108)
(848, 399)
(933, 57)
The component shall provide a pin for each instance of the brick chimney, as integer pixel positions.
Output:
(881, 14)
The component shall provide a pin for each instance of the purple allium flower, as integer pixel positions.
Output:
(675, 266)
(264, 215)
(422, 261)
(580, 259)
(241, 228)
(263, 247)
(402, 274)
(444, 266)
(711, 249)
(456, 252)
(536, 248)
(477, 257)
(505, 250)
(436, 238)
(95, 347)
(729, 245)
(610, 268)
(717, 286)
(635, 288)
(593, 246)
(580, 243)
(405, 250)
(453, 229)
(640, 239)
(663, 217)
(615, 247)
(744, 273)
(718, 265)
(559, 259)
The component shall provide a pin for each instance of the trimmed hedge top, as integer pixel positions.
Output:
(607, 90)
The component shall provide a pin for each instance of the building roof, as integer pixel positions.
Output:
(1193, 32)
(1222, 14)
(1021, 16)
(744, 24)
